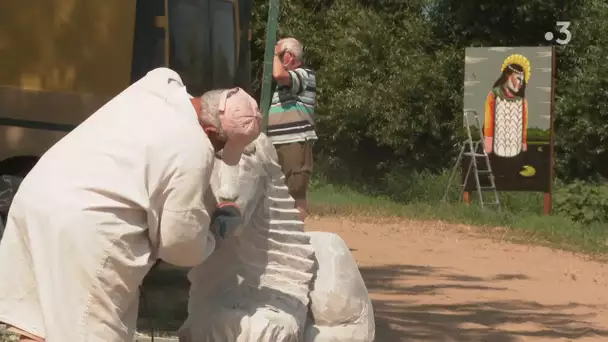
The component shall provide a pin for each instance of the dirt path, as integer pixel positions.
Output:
(434, 282)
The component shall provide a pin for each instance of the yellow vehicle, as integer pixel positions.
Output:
(62, 59)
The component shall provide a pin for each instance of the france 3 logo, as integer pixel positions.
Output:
(564, 35)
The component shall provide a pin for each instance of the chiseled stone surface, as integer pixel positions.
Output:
(340, 307)
(257, 285)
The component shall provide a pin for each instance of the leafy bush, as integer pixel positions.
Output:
(582, 202)
(535, 134)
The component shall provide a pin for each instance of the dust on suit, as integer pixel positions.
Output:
(89, 221)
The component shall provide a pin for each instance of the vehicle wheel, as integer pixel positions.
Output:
(8, 188)
(18, 166)
(12, 172)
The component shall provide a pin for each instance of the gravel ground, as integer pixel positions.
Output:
(6, 336)
(432, 281)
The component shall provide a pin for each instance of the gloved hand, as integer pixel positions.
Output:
(225, 220)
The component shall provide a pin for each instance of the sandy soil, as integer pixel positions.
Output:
(435, 282)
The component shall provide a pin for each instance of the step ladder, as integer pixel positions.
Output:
(476, 150)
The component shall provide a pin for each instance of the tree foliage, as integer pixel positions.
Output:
(390, 76)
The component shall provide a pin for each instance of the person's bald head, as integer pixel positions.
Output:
(292, 52)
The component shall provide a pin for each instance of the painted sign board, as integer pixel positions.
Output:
(511, 89)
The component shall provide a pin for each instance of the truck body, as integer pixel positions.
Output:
(63, 59)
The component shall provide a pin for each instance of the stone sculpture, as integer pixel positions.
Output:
(271, 281)
(340, 307)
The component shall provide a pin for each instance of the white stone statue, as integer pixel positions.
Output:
(271, 281)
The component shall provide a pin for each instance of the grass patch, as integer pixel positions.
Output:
(6, 336)
(420, 197)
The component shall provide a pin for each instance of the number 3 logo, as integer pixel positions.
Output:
(563, 29)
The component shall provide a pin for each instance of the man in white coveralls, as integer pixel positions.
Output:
(122, 190)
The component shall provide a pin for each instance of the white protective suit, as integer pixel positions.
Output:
(121, 190)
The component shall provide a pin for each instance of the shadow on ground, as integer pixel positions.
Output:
(409, 320)
(400, 313)
(163, 306)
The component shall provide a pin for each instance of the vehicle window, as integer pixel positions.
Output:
(202, 43)
(149, 40)
(189, 53)
(223, 43)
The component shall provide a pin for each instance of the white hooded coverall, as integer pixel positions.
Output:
(121, 190)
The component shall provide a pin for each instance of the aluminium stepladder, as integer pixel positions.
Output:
(474, 149)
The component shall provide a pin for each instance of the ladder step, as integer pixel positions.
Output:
(483, 188)
(474, 148)
(477, 155)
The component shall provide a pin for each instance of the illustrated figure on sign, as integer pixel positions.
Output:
(506, 109)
